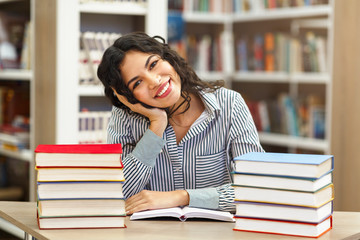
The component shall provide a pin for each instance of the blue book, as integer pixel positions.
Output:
(311, 166)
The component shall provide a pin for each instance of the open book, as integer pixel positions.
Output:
(184, 213)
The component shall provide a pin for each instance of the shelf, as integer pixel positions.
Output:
(25, 154)
(310, 78)
(212, 76)
(91, 90)
(283, 13)
(125, 8)
(271, 77)
(293, 141)
(16, 74)
(282, 77)
(199, 17)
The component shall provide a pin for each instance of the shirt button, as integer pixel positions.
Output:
(178, 169)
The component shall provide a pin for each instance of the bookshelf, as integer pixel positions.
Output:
(266, 85)
(19, 165)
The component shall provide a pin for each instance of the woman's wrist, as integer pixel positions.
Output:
(158, 126)
(182, 197)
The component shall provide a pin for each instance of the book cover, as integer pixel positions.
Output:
(72, 174)
(79, 148)
(81, 207)
(283, 227)
(285, 164)
(78, 155)
(80, 222)
(286, 197)
(281, 182)
(184, 213)
(283, 212)
(91, 189)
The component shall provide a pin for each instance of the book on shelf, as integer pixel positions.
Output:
(81, 207)
(93, 126)
(81, 222)
(286, 183)
(287, 197)
(92, 47)
(71, 174)
(64, 190)
(283, 212)
(285, 164)
(78, 155)
(283, 227)
(184, 213)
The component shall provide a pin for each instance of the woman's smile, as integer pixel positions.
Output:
(164, 90)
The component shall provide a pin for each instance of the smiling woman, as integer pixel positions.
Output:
(179, 133)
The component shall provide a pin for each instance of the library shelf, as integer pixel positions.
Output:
(282, 13)
(16, 74)
(294, 141)
(119, 8)
(282, 77)
(24, 154)
(91, 90)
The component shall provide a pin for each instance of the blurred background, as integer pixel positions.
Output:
(295, 62)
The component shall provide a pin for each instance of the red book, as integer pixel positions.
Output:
(78, 156)
(290, 228)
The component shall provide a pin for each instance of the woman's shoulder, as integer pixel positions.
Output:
(227, 95)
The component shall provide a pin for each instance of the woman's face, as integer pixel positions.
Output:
(151, 79)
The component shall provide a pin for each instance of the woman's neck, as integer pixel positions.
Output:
(183, 117)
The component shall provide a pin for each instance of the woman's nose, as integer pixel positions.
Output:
(154, 80)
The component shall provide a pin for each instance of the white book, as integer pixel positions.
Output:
(184, 213)
(283, 212)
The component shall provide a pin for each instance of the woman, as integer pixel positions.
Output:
(179, 134)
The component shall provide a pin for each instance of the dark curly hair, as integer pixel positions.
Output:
(109, 71)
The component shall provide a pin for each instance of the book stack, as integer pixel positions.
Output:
(80, 186)
(283, 193)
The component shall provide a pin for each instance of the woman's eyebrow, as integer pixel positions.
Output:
(146, 65)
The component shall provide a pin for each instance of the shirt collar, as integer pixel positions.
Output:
(210, 101)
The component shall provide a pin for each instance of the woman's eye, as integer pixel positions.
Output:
(136, 84)
(153, 64)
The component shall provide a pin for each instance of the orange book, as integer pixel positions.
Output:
(269, 52)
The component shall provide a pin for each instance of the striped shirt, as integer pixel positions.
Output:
(201, 163)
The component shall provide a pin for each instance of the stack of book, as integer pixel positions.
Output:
(283, 193)
(80, 186)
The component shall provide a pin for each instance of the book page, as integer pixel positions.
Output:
(165, 212)
(191, 212)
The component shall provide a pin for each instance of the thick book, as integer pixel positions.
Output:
(80, 222)
(65, 190)
(300, 229)
(81, 207)
(79, 174)
(281, 182)
(285, 164)
(286, 197)
(184, 213)
(283, 212)
(78, 155)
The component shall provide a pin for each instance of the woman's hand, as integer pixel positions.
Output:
(158, 117)
(146, 199)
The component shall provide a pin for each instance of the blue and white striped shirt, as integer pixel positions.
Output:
(202, 161)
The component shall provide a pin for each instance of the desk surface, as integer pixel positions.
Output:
(23, 215)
